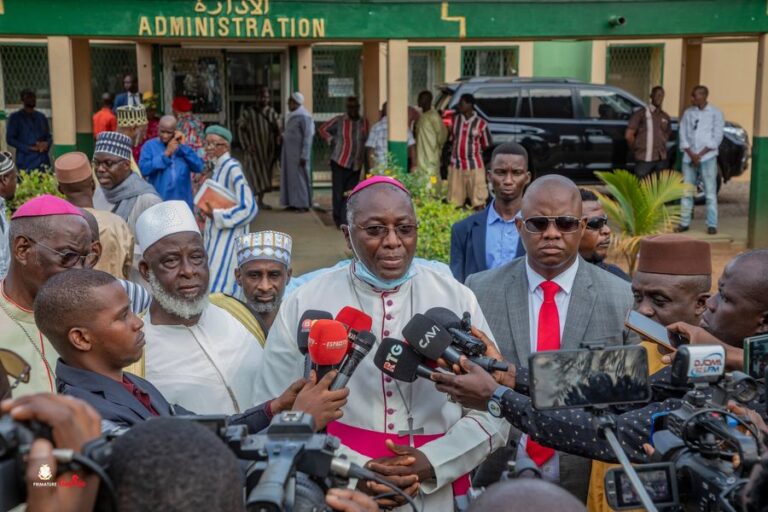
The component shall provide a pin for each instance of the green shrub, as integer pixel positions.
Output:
(33, 184)
(434, 214)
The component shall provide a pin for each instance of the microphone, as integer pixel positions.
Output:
(364, 342)
(433, 341)
(302, 336)
(469, 345)
(327, 345)
(398, 360)
(354, 320)
(698, 363)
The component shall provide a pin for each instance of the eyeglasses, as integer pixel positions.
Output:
(379, 231)
(107, 163)
(15, 366)
(597, 223)
(564, 224)
(214, 144)
(69, 259)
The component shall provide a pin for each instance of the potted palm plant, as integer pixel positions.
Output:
(640, 207)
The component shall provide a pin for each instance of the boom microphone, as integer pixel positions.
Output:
(327, 345)
(398, 360)
(433, 342)
(363, 344)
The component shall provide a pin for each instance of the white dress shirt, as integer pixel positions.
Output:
(701, 128)
(536, 297)
(551, 469)
(134, 99)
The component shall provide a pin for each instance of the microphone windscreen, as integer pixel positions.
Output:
(427, 337)
(444, 317)
(305, 324)
(396, 359)
(328, 342)
(354, 319)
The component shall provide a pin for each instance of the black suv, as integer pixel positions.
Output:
(570, 127)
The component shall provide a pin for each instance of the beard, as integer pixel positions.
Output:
(182, 308)
(264, 307)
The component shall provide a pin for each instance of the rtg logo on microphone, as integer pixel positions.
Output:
(390, 363)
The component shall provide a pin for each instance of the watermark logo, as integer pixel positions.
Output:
(45, 472)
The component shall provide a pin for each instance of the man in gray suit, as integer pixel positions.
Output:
(552, 299)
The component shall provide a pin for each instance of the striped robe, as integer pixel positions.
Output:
(226, 225)
(258, 131)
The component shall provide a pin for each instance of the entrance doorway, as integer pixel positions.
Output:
(246, 73)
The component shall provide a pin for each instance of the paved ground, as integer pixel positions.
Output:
(317, 243)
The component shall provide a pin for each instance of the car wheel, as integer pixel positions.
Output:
(699, 199)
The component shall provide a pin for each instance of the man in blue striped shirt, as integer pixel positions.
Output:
(224, 225)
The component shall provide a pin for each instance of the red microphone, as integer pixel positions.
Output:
(355, 321)
(327, 344)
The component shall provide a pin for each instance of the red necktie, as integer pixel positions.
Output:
(547, 338)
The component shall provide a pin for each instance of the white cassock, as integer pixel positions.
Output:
(208, 368)
(456, 440)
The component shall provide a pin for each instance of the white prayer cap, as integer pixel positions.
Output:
(164, 219)
(298, 97)
(264, 245)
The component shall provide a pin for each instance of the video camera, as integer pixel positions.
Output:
(705, 451)
(291, 467)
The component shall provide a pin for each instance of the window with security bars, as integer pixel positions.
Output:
(109, 64)
(489, 62)
(25, 66)
(635, 68)
(336, 75)
(425, 72)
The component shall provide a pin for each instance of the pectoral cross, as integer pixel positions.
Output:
(410, 432)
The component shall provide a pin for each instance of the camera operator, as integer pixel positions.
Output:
(101, 336)
(739, 309)
(73, 423)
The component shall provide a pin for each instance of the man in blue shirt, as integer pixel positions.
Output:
(489, 239)
(167, 163)
(28, 132)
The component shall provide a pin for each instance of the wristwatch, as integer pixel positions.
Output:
(495, 404)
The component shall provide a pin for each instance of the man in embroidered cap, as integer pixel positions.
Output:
(295, 182)
(263, 271)
(197, 354)
(7, 191)
(224, 225)
(132, 121)
(75, 178)
(48, 235)
(384, 416)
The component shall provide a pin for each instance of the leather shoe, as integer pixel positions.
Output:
(711, 231)
(680, 228)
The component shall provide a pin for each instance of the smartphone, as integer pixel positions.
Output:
(654, 331)
(756, 356)
(564, 379)
(660, 480)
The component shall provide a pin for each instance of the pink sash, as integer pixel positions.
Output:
(372, 444)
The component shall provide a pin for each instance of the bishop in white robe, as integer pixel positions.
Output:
(454, 440)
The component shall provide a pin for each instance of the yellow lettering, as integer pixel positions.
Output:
(144, 28)
(266, 29)
(293, 27)
(238, 22)
(211, 31)
(223, 27)
(303, 27)
(283, 22)
(201, 26)
(250, 28)
(189, 26)
(161, 26)
(318, 28)
(177, 26)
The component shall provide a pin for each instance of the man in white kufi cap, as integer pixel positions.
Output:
(263, 271)
(295, 183)
(197, 354)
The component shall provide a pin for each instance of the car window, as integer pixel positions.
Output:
(497, 101)
(546, 103)
(605, 104)
(443, 100)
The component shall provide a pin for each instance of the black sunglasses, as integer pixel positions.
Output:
(597, 223)
(563, 223)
